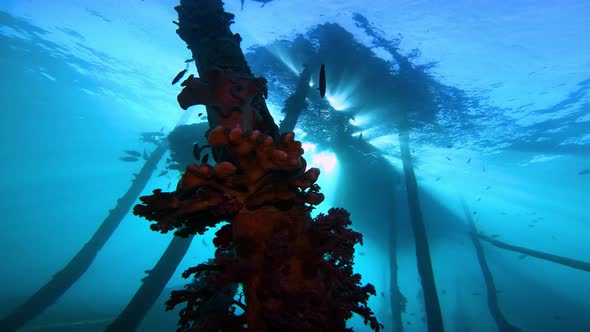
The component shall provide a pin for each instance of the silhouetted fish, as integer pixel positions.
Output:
(162, 173)
(149, 139)
(322, 86)
(152, 134)
(264, 2)
(148, 272)
(199, 115)
(488, 187)
(468, 161)
(449, 159)
(586, 171)
(196, 151)
(242, 2)
(133, 153)
(438, 178)
(523, 256)
(129, 159)
(178, 76)
(145, 155)
(95, 13)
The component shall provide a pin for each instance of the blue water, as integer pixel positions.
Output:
(81, 80)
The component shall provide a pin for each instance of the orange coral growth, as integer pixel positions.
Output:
(296, 272)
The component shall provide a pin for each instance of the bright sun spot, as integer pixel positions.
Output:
(308, 147)
(325, 161)
(338, 101)
(360, 120)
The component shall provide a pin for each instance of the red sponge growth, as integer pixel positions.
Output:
(295, 272)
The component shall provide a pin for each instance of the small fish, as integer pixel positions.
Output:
(264, 2)
(204, 243)
(449, 146)
(149, 139)
(129, 159)
(488, 187)
(242, 2)
(474, 212)
(189, 60)
(478, 198)
(322, 86)
(199, 115)
(133, 153)
(178, 76)
(196, 151)
(145, 155)
(444, 291)
(523, 256)
(468, 161)
(148, 272)
(162, 173)
(586, 171)
(438, 178)
(483, 168)
(449, 159)
(361, 253)
(495, 235)
(152, 134)
(361, 136)
(205, 159)
(168, 186)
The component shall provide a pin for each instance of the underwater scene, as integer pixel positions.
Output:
(290, 165)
